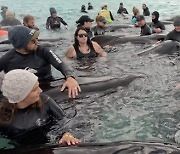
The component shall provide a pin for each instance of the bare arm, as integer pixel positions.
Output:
(99, 50)
(70, 53)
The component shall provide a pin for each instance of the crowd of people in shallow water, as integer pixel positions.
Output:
(24, 107)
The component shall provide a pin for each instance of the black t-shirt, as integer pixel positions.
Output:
(173, 35)
(40, 61)
(157, 25)
(145, 30)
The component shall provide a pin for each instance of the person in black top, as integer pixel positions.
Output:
(83, 9)
(3, 13)
(84, 48)
(145, 29)
(146, 11)
(28, 54)
(99, 29)
(29, 22)
(90, 7)
(122, 9)
(175, 34)
(86, 22)
(54, 22)
(156, 25)
(26, 114)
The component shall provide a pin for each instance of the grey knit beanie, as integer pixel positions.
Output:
(177, 21)
(17, 84)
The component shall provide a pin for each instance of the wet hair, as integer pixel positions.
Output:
(27, 18)
(144, 4)
(135, 11)
(76, 42)
(99, 18)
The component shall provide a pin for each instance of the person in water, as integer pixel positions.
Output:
(26, 110)
(86, 22)
(136, 13)
(3, 13)
(99, 29)
(146, 11)
(10, 20)
(54, 22)
(90, 7)
(156, 25)
(122, 9)
(28, 54)
(175, 34)
(145, 29)
(83, 9)
(29, 22)
(83, 47)
(106, 13)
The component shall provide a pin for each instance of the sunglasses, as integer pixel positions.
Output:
(82, 35)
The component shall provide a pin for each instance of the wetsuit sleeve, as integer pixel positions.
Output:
(62, 21)
(111, 16)
(55, 61)
(47, 23)
(162, 27)
(127, 12)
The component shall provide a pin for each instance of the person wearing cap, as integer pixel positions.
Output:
(86, 22)
(83, 47)
(3, 13)
(28, 54)
(174, 35)
(90, 7)
(83, 9)
(54, 22)
(106, 13)
(146, 11)
(145, 29)
(26, 113)
(156, 25)
(99, 29)
(122, 9)
(10, 20)
(29, 22)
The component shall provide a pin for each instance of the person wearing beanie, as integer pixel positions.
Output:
(86, 22)
(90, 7)
(122, 10)
(145, 29)
(25, 112)
(83, 9)
(54, 22)
(28, 54)
(3, 13)
(10, 20)
(106, 14)
(146, 11)
(29, 22)
(156, 25)
(174, 35)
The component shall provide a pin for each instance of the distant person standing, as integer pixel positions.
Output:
(54, 22)
(90, 7)
(29, 22)
(146, 11)
(145, 29)
(122, 9)
(3, 13)
(10, 20)
(156, 25)
(83, 9)
(106, 13)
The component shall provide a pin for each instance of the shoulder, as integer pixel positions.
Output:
(70, 52)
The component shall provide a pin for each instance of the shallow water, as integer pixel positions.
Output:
(148, 109)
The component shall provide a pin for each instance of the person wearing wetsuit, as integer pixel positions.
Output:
(174, 35)
(28, 54)
(145, 29)
(84, 48)
(86, 22)
(156, 25)
(26, 115)
(83, 9)
(122, 9)
(146, 11)
(99, 29)
(54, 22)
(90, 7)
(3, 13)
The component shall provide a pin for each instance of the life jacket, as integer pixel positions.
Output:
(3, 33)
(106, 15)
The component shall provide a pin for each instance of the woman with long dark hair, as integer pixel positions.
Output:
(83, 47)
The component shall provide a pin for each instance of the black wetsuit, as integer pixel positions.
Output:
(146, 12)
(30, 125)
(12, 22)
(145, 30)
(80, 55)
(98, 30)
(54, 23)
(90, 7)
(157, 24)
(122, 10)
(173, 35)
(39, 60)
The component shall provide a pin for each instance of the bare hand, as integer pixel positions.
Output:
(157, 30)
(177, 86)
(69, 139)
(73, 87)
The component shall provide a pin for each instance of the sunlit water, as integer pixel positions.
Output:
(148, 109)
